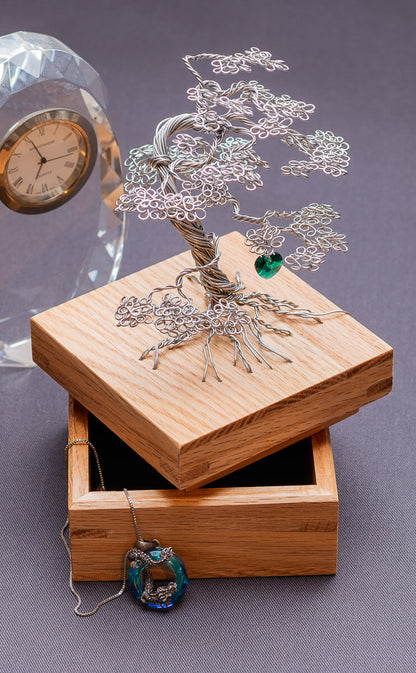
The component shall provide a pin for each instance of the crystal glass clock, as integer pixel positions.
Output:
(60, 176)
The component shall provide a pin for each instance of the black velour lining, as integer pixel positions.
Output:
(123, 468)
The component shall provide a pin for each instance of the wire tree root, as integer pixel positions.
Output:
(237, 318)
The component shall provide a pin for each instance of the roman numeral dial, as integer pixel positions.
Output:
(53, 150)
(45, 160)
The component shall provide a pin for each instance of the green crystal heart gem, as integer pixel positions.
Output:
(267, 266)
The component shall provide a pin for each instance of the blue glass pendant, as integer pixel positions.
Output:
(141, 580)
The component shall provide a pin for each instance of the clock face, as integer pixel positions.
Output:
(45, 159)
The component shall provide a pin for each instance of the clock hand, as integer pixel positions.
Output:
(61, 157)
(41, 163)
(42, 158)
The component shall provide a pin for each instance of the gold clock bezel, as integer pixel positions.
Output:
(41, 203)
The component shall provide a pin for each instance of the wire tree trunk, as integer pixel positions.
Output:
(215, 282)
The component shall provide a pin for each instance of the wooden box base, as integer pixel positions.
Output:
(194, 432)
(258, 521)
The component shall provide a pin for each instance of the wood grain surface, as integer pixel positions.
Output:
(219, 532)
(193, 432)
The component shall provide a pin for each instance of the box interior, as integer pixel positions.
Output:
(123, 468)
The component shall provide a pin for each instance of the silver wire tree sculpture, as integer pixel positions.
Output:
(181, 175)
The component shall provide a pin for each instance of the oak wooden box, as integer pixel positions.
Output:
(194, 432)
(221, 531)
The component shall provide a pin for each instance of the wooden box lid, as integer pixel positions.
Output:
(193, 432)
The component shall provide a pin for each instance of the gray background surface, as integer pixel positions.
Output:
(355, 61)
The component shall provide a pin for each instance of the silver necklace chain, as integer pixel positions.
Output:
(131, 554)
